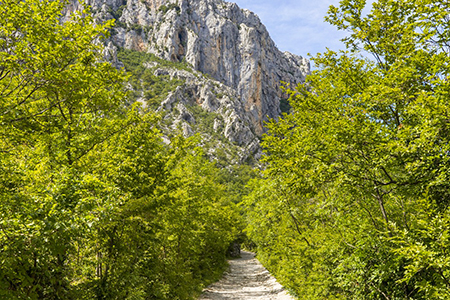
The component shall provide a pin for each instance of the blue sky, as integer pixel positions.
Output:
(297, 26)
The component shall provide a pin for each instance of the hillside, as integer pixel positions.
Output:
(228, 69)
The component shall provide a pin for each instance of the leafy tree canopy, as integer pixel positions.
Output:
(358, 173)
(93, 204)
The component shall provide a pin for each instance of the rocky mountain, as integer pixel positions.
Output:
(244, 68)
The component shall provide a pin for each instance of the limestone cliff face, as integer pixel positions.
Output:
(227, 117)
(215, 37)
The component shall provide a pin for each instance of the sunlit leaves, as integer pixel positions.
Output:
(93, 204)
(366, 146)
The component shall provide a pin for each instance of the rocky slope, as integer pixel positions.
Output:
(192, 102)
(216, 38)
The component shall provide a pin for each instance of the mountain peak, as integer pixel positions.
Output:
(215, 37)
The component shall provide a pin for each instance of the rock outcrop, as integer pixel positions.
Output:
(187, 106)
(216, 38)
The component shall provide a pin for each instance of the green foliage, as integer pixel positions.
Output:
(205, 118)
(154, 87)
(354, 202)
(93, 204)
(172, 223)
(57, 103)
(165, 8)
(117, 13)
(136, 27)
(235, 178)
(158, 87)
(285, 107)
(134, 61)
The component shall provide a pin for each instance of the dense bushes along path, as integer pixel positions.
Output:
(246, 279)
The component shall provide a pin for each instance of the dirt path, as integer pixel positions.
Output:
(246, 279)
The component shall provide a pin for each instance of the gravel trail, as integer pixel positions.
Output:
(246, 279)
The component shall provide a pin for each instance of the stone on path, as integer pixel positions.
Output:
(246, 279)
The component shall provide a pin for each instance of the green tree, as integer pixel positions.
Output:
(361, 164)
(58, 100)
(168, 232)
(93, 203)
